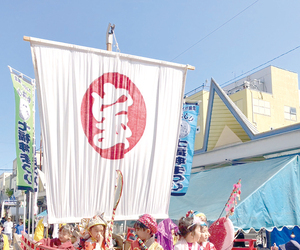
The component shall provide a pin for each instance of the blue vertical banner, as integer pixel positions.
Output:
(185, 149)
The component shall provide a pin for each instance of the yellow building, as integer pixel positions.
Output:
(269, 99)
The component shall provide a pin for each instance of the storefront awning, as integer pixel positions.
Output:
(270, 194)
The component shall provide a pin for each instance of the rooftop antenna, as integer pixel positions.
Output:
(109, 36)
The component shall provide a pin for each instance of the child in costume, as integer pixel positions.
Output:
(189, 228)
(145, 228)
(93, 233)
(166, 234)
(62, 242)
(203, 242)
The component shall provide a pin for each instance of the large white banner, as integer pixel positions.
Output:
(102, 111)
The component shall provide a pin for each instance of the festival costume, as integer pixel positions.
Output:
(183, 245)
(164, 233)
(150, 244)
(91, 244)
(56, 243)
(4, 244)
(148, 221)
(87, 242)
(207, 246)
(204, 245)
(39, 231)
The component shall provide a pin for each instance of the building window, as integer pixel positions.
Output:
(261, 107)
(290, 113)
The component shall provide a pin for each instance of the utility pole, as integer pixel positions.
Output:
(109, 36)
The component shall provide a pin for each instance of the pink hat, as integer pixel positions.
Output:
(149, 222)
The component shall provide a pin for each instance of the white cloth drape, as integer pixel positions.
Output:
(80, 180)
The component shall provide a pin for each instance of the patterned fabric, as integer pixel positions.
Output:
(151, 244)
(149, 222)
(164, 233)
(222, 234)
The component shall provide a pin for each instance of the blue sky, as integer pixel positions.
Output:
(222, 39)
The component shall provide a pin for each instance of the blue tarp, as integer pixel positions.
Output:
(42, 214)
(284, 236)
(270, 194)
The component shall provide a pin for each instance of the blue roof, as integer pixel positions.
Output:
(270, 194)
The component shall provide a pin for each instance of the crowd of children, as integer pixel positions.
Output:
(191, 233)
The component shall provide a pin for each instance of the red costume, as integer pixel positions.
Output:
(56, 243)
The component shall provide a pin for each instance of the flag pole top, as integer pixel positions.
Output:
(109, 36)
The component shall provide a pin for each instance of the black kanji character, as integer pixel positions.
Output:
(180, 160)
(181, 151)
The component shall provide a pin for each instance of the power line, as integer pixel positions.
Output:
(215, 30)
(260, 65)
(223, 84)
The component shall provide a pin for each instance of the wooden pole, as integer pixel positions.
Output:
(29, 214)
(109, 36)
(41, 143)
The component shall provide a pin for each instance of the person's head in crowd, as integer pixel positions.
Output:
(204, 233)
(145, 227)
(97, 228)
(65, 233)
(189, 227)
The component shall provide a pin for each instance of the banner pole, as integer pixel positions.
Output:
(32, 211)
(29, 214)
(35, 184)
(111, 53)
(24, 214)
(41, 144)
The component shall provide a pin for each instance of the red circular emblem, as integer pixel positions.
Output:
(113, 115)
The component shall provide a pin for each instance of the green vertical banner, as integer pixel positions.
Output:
(24, 90)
